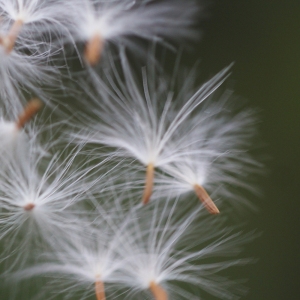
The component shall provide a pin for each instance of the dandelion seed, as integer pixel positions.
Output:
(159, 246)
(144, 251)
(25, 52)
(38, 194)
(84, 261)
(143, 124)
(116, 21)
(217, 156)
(25, 20)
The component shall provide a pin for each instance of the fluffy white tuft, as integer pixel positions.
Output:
(158, 245)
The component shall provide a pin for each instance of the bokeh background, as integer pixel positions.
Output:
(263, 39)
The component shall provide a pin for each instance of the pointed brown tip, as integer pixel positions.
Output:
(93, 50)
(32, 107)
(146, 199)
(206, 200)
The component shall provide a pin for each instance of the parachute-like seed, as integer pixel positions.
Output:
(117, 22)
(159, 244)
(143, 252)
(144, 125)
(27, 45)
(38, 197)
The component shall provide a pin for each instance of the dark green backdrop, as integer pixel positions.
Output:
(263, 38)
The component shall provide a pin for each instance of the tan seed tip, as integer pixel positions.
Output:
(206, 200)
(93, 49)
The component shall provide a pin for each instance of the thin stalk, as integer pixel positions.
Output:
(157, 291)
(93, 49)
(148, 183)
(205, 199)
(99, 290)
(32, 107)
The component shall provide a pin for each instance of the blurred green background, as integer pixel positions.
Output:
(263, 39)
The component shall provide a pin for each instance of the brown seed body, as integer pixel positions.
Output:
(93, 49)
(205, 199)
(9, 41)
(29, 206)
(99, 290)
(158, 292)
(148, 183)
(32, 107)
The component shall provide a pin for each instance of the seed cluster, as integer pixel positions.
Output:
(116, 182)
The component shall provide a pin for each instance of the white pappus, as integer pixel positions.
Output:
(145, 254)
(38, 193)
(97, 22)
(145, 124)
(26, 33)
